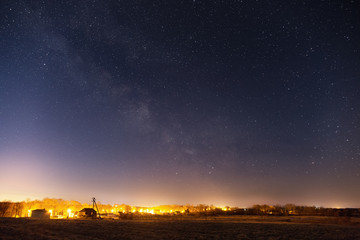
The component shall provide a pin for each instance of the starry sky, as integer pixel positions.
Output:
(174, 102)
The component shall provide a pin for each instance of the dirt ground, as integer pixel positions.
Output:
(184, 228)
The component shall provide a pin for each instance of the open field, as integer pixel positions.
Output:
(239, 227)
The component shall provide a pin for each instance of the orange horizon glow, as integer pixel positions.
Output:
(143, 208)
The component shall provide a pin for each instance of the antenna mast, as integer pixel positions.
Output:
(94, 204)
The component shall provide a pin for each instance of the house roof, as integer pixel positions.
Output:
(87, 209)
(39, 210)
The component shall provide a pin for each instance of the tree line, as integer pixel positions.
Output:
(60, 206)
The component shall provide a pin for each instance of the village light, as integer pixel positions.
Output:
(51, 213)
(29, 213)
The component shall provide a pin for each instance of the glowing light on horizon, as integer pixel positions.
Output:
(70, 213)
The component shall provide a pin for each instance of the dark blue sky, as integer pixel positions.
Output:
(155, 102)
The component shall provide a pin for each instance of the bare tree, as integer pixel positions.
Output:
(4, 208)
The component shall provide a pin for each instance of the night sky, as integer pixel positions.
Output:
(174, 102)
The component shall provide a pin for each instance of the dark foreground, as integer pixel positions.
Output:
(185, 228)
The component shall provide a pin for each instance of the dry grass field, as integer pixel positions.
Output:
(240, 227)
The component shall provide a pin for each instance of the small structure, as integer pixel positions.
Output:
(88, 213)
(40, 214)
